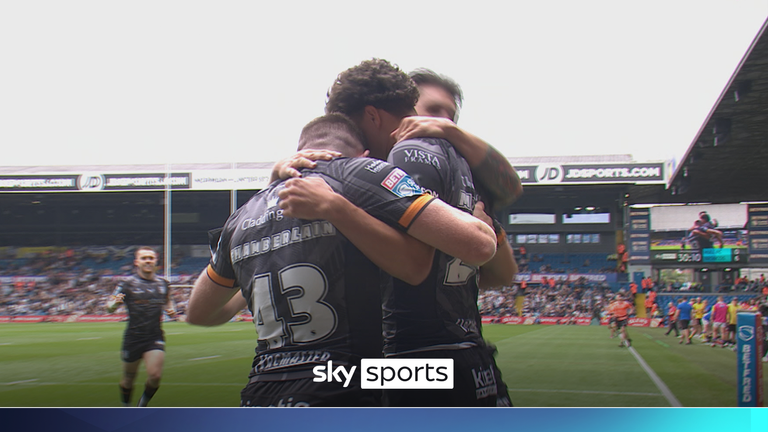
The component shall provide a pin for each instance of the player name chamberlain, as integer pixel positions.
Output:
(267, 244)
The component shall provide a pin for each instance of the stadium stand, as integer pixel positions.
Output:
(78, 280)
(72, 281)
(571, 263)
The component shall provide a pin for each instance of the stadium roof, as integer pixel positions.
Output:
(160, 168)
(727, 162)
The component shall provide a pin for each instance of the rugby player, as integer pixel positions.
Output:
(146, 296)
(621, 310)
(439, 317)
(315, 296)
(611, 317)
(437, 111)
(702, 232)
(360, 93)
(437, 115)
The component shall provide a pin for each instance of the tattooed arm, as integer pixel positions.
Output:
(490, 168)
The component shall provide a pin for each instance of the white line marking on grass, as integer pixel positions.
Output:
(585, 392)
(6, 343)
(204, 358)
(21, 382)
(656, 380)
(90, 338)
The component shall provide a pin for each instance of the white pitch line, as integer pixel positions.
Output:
(6, 343)
(656, 380)
(90, 338)
(204, 358)
(585, 392)
(21, 382)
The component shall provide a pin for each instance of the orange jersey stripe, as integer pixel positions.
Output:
(229, 283)
(421, 202)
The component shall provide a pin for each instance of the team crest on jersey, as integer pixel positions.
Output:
(401, 184)
(272, 201)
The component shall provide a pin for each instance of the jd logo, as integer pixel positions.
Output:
(549, 173)
(90, 182)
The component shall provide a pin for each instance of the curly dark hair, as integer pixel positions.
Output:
(374, 82)
(423, 76)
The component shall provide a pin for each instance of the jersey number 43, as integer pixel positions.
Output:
(294, 312)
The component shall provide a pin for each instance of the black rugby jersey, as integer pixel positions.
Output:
(314, 296)
(441, 312)
(145, 300)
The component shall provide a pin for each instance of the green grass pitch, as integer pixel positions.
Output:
(78, 365)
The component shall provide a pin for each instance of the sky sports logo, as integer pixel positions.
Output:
(391, 373)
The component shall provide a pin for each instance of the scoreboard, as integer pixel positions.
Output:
(701, 256)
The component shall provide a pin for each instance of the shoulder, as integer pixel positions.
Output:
(424, 150)
(257, 205)
(342, 171)
(425, 143)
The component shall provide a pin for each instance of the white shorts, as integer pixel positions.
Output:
(717, 325)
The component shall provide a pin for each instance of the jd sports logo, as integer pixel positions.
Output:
(549, 174)
(90, 182)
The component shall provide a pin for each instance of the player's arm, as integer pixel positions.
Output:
(502, 268)
(116, 299)
(700, 233)
(290, 166)
(170, 305)
(454, 232)
(212, 302)
(395, 252)
(435, 177)
(489, 167)
(429, 220)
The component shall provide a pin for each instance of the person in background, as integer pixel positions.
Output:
(622, 308)
(733, 312)
(672, 319)
(146, 296)
(684, 318)
(699, 308)
(720, 322)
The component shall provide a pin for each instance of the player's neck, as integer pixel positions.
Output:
(150, 276)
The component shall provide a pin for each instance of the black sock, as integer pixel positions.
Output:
(125, 395)
(148, 393)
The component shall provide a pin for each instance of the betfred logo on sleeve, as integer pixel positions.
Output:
(401, 184)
